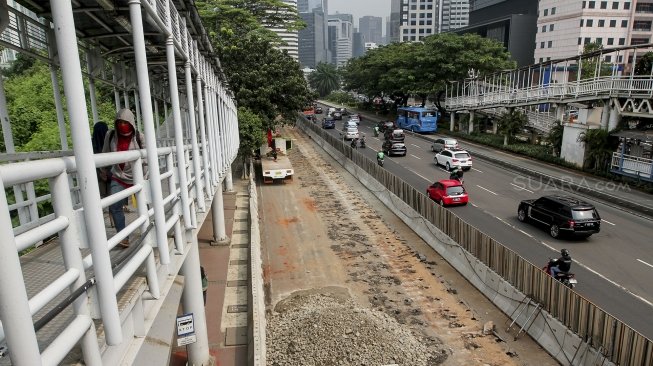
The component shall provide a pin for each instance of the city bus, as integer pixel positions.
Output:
(417, 119)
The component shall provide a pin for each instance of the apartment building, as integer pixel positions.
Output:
(454, 14)
(564, 27)
(419, 19)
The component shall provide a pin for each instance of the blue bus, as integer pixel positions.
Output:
(417, 119)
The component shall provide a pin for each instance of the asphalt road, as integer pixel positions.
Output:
(614, 267)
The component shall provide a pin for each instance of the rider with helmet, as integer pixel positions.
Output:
(562, 264)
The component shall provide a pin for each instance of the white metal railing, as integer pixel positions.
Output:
(642, 167)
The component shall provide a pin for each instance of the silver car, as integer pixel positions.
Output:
(444, 144)
(351, 133)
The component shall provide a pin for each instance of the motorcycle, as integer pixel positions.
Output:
(376, 132)
(379, 161)
(363, 145)
(567, 278)
(354, 144)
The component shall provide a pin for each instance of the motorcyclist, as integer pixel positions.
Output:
(376, 131)
(457, 174)
(362, 141)
(562, 264)
(354, 143)
(380, 156)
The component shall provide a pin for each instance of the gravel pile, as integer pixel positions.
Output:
(318, 329)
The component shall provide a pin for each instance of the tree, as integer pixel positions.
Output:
(590, 64)
(598, 149)
(252, 131)
(423, 69)
(324, 79)
(264, 80)
(511, 122)
(644, 64)
(555, 137)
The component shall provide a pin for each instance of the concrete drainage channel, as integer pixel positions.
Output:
(553, 336)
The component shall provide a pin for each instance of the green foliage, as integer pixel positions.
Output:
(590, 65)
(343, 98)
(252, 131)
(19, 66)
(598, 149)
(324, 79)
(423, 69)
(511, 122)
(555, 137)
(264, 80)
(644, 64)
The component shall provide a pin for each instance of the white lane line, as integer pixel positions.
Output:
(477, 170)
(416, 146)
(623, 288)
(377, 139)
(522, 188)
(474, 205)
(525, 233)
(608, 222)
(485, 189)
(419, 175)
(416, 157)
(648, 264)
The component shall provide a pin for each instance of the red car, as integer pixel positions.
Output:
(448, 192)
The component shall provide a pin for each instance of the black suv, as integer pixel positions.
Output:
(562, 214)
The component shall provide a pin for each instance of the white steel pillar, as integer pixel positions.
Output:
(91, 86)
(199, 189)
(614, 117)
(58, 104)
(64, 27)
(205, 152)
(209, 131)
(452, 120)
(142, 75)
(193, 301)
(137, 107)
(228, 180)
(14, 309)
(179, 135)
(470, 126)
(605, 115)
(217, 215)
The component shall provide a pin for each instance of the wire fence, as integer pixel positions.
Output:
(617, 342)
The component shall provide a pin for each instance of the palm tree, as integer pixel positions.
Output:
(598, 148)
(324, 79)
(555, 137)
(510, 123)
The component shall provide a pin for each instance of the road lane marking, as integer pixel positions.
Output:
(522, 188)
(477, 170)
(416, 146)
(419, 175)
(608, 222)
(648, 264)
(485, 189)
(416, 157)
(474, 205)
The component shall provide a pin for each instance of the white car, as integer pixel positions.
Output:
(453, 158)
(349, 124)
(351, 133)
(444, 143)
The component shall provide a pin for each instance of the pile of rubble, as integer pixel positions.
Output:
(318, 329)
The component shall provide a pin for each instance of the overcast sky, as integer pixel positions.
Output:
(361, 8)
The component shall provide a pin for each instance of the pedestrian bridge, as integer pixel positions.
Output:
(551, 86)
(83, 300)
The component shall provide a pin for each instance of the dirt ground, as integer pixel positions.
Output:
(324, 228)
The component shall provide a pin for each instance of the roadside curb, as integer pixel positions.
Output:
(562, 184)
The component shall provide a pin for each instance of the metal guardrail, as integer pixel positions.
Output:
(618, 342)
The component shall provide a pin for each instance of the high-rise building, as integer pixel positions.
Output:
(312, 45)
(343, 37)
(358, 44)
(419, 19)
(290, 38)
(565, 27)
(346, 17)
(371, 28)
(393, 22)
(511, 22)
(454, 14)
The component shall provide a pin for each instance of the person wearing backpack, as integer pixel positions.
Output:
(123, 137)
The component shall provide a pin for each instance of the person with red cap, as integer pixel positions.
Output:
(123, 137)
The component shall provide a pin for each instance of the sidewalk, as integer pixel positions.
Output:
(226, 269)
(612, 193)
